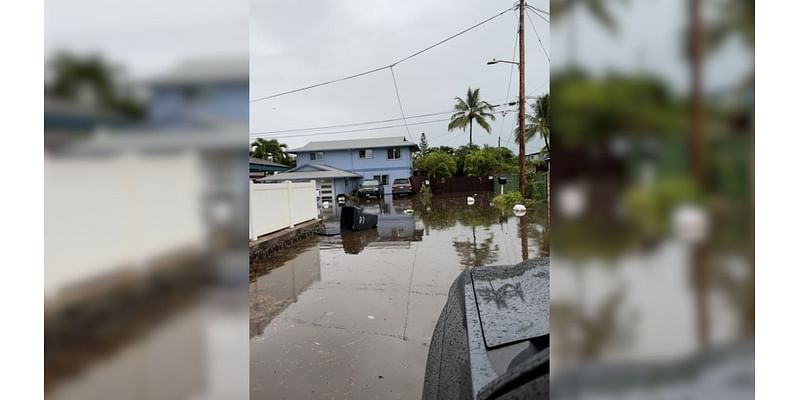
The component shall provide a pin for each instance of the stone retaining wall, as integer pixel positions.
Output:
(265, 247)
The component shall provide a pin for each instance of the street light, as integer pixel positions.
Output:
(496, 61)
(521, 103)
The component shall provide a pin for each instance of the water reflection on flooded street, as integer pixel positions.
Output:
(180, 348)
(350, 315)
(646, 317)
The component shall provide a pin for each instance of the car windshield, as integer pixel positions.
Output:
(369, 183)
(401, 181)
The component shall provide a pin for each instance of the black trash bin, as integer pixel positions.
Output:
(354, 219)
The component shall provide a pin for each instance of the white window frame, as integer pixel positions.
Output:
(391, 150)
(368, 154)
(316, 156)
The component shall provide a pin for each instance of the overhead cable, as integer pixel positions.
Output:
(383, 67)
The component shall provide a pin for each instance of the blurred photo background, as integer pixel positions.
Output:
(145, 165)
(653, 265)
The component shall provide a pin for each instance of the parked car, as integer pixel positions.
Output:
(492, 340)
(402, 186)
(370, 188)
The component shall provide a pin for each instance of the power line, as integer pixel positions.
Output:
(537, 88)
(319, 84)
(534, 10)
(537, 37)
(451, 37)
(385, 66)
(439, 136)
(510, 76)
(397, 92)
(307, 129)
(511, 132)
(350, 124)
(356, 130)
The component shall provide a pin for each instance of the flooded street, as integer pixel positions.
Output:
(350, 316)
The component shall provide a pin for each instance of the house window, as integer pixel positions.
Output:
(383, 179)
(393, 153)
(316, 156)
(365, 154)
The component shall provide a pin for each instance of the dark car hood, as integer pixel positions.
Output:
(513, 301)
(471, 354)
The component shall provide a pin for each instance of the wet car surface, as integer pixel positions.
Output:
(350, 315)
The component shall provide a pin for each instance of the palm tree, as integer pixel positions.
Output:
(737, 18)
(538, 122)
(598, 9)
(472, 109)
(270, 150)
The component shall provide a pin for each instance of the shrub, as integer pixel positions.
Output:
(509, 200)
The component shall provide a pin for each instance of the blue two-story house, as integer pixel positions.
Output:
(201, 93)
(339, 166)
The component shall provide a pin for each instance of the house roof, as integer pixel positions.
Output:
(149, 139)
(259, 161)
(310, 171)
(397, 141)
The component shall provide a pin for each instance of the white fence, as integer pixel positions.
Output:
(276, 206)
(106, 214)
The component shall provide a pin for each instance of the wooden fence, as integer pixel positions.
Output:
(454, 184)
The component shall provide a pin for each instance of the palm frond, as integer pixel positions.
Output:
(482, 122)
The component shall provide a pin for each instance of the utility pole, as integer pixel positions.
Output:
(521, 131)
(698, 162)
(697, 112)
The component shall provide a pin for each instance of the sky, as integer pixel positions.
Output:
(296, 44)
(148, 37)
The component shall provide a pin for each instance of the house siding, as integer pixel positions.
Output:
(379, 164)
(229, 101)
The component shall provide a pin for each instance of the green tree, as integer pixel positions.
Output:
(736, 18)
(423, 143)
(445, 149)
(437, 164)
(270, 150)
(538, 122)
(473, 109)
(488, 161)
(460, 154)
(423, 147)
(91, 79)
(480, 163)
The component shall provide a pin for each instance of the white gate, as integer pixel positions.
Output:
(326, 190)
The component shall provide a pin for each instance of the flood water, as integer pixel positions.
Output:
(350, 316)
